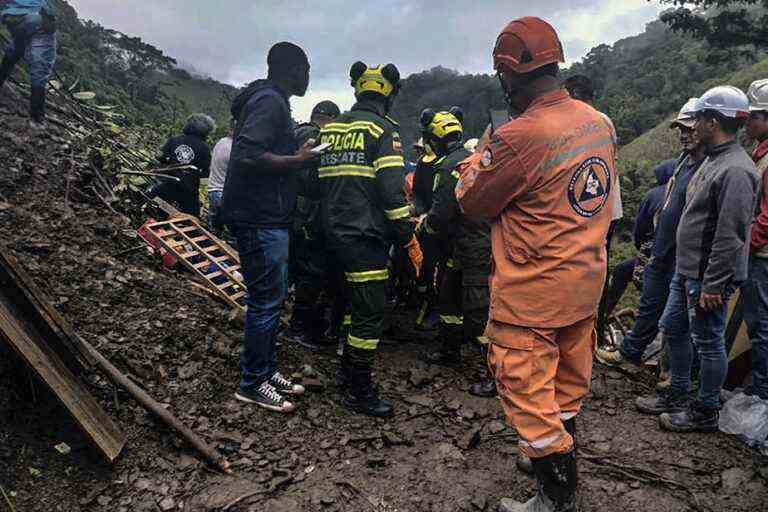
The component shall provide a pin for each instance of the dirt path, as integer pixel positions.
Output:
(444, 451)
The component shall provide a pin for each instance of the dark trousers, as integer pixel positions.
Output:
(308, 272)
(186, 200)
(620, 279)
(683, 318)
(755, 300)
(463, 305)
(656, 280)
(32, 41)
(365, 292)
(264, 260)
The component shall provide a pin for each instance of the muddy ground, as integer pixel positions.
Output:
(444, 451)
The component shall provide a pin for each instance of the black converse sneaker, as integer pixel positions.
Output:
(265, 396)
(283, 385)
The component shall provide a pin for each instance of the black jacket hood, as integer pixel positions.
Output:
(246, 94)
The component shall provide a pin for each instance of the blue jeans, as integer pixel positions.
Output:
(264, 260)
(29, 40)
(755, 299)
(215, 225)
(683, 317)
(656, 280)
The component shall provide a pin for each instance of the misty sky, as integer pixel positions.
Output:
(229, 39)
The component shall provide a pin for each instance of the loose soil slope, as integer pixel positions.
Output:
(444, 451)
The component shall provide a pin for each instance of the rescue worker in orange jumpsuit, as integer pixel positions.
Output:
(545, 178)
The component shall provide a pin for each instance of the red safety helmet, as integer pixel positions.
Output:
(527, 44)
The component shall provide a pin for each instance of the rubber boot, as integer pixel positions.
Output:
(6, 68)
(524, 463)
(557, 480)
(362, 396)
(448, 353)
(486, 388)
(37, 107)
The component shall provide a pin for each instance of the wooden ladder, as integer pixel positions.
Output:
(204, 255)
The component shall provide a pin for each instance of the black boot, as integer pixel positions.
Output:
(6, 68)
(342, 375)
(524, 463)
(696, 418)
(557, 479)
(448, 354)
(37, 106)
(486, 388)
(362, 396)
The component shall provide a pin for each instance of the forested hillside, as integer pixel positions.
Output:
(145, 85)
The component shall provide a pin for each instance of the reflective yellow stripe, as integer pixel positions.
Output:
(398, 213)
(372, 128)
(361, 343)
(450, 263)
(335, 171)
(455, 174)
(483, 340)
(388, 161)
(347, 320)
(371, 275)
(452, 320)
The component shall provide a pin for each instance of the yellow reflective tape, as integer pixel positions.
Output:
(361, 343)
(388, 161)
(455, 174)
(375, 130)
(451, 320)
(450, 263)
(483, 340)
(371, 275)
(347, 320)
(398, 213)
(334, 171)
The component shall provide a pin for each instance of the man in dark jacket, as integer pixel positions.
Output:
(189, 150)
(258, 206)
(658, 274)
(712, 255)
(309, 265)
(361, 179)
(645, 227)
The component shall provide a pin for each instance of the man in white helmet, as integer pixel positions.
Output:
(755, 290)
(712, 255)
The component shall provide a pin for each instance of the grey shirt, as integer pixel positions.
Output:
(713, 234)
(219, 164)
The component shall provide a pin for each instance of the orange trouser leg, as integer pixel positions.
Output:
(541, 374)
(574, 371)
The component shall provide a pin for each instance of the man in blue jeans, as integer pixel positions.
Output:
(661, 267)
(712, 253)
(32, 24)
(258, 205)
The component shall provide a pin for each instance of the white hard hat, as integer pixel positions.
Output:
(471, 145)
(758, 95)
(685, 119)
(726, 100)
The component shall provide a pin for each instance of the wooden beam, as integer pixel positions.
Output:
(20, 328)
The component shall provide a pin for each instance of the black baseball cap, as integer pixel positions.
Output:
(326, 108)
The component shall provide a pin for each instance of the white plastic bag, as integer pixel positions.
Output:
(747, 417)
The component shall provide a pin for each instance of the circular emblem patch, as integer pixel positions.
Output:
(184, 154)
(590, 187)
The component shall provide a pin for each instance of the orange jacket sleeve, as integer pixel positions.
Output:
(490, 180)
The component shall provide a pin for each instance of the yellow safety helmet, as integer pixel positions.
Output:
(440, 125)
(383, 80)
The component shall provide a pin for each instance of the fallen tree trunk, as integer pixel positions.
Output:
(150, 404)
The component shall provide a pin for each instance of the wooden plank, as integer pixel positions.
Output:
(17, 283)
(30, 341)
(188, 255)
(237, 296)
(224, 286)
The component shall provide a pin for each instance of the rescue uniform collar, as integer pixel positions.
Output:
(549, 99)
(760, 151)
(370, 106)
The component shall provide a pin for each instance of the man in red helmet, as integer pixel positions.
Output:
(545, 178)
